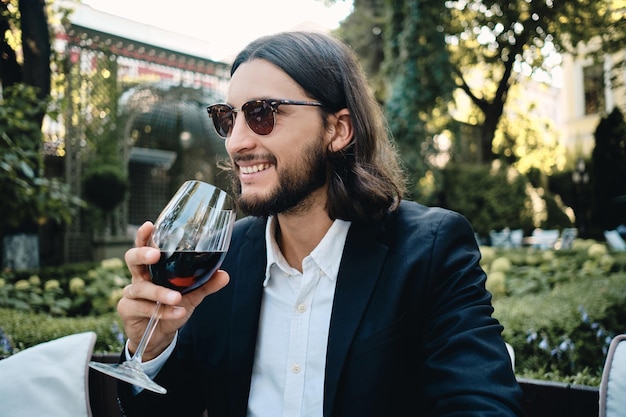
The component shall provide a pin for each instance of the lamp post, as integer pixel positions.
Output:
(580, 178)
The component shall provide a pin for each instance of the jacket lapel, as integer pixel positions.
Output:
(248, 291)
(359, 270)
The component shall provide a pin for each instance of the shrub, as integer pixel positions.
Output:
(490, 199)
(105, 186)
(72, 292)
(498, 197)
(60, 301)
(560, 309)
(21, 330)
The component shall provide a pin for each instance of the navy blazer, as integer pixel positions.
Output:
(411, 331)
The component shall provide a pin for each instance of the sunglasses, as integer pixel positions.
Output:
(260, 115)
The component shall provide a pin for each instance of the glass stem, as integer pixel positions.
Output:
(143, 343)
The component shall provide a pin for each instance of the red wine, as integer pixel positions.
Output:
(185, 271)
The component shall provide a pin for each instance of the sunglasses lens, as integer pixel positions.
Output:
(223, 118)
(259, 116)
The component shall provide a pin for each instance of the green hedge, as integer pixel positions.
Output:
(559, 309)
(25, 329)
(68, 292)
(497, 197)
(38, 306)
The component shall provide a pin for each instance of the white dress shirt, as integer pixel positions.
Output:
(290, 356)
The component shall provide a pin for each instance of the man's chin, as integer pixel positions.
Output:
(255, 205)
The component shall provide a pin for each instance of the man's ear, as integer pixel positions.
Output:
(340, 130)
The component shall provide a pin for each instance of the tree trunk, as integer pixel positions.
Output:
(36, 46)
(35, 72)
(10, 70)
(488, 131)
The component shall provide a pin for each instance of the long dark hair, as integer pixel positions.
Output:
(365, 178)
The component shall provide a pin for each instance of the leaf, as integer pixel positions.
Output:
(26, 169)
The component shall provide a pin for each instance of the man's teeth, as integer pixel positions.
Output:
(254, 168)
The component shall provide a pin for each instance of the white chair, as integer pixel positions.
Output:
(568, 235)
(506, 238)
(544, 239)
(499, 239)
(613, 385)
(516, 238)
(614, 240)
(49, 379)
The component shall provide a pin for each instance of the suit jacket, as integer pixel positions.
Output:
(411, 331)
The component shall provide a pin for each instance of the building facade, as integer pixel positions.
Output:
(135, 97)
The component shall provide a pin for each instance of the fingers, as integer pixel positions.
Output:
(143, 234)
(137, 260)
(146, 290)
(129, 308)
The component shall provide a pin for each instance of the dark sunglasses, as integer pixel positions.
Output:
(260, 115)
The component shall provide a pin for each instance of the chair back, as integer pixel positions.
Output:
(544, 239)
(613, 383)
(614, 240)
(567, 237)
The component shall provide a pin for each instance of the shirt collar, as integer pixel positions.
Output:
(326, 255)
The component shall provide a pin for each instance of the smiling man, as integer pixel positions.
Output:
(337, 297)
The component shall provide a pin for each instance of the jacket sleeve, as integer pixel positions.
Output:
(180, 400)
(465, 362)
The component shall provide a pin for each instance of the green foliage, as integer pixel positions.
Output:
(105, 186)
(25, 329)
(555, 216)
(609, 171)
(421, 85)
(525, 139)
(26, 194)
(363, 30)
(559, 309)
(60, 301)
(499, 197)
(483, 42)
(490, 199)
(69, 293)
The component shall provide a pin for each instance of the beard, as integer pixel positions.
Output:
(296, 183)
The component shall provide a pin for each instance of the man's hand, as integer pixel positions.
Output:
(139, 298)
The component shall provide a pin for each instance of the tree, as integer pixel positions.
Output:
(527, 140)
(609, 171)
(363, 30)
(28, 197)
(414, 79)
(521, 37)
(31, 19)
(496, 40)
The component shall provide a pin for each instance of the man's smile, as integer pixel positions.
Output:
(252, 169)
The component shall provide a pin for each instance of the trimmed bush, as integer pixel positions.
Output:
(559, 309)
(21, 330)
(80, 292)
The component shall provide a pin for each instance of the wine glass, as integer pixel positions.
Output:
(193, 234)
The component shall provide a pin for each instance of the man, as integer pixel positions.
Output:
(336, 298)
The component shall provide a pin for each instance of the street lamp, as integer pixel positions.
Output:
(580, 178)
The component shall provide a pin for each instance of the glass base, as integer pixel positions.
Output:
(129, 372)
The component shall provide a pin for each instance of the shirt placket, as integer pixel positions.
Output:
(298, 340)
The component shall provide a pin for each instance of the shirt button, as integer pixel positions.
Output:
(301, 308)
(295, 368)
